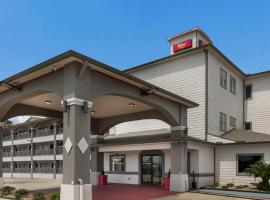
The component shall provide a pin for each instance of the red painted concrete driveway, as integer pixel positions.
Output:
(128, 192)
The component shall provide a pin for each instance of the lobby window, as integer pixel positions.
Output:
(233, 122)
(223, 122)
(117, 163)
(248, 126)
(245, 160)
(232, 85)
(248, 92)
(223, 78)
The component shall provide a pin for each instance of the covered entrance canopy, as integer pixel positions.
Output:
(91, 97)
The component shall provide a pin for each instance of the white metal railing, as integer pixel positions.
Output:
(43, 152)
(46, 170)
(59, 170)
(7, 170)
(22, 136)
(22, 170)
(7, 154)
(60, 131)
(7, 138)
(59, 151)
(43, 132)
(22, 153)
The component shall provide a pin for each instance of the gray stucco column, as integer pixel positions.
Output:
(32, 151)
(179, 175)
(1, 153)
(54, 149)
(76, 162)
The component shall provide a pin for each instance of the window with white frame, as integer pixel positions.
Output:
(233, 122)
(248, 92)
(117, 163)
(223, 122)
(223, 78)
(232, 85)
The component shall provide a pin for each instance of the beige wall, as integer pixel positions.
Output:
(184, 76)
(222, 100)
(257, 109)
(226, 162)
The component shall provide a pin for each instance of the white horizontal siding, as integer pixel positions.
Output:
(184, 76)
(258, 108)
(222, 100)
(226, 162)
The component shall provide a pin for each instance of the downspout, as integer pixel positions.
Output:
(206, 94)
(81, 189)
(214, 165)
(243, 104)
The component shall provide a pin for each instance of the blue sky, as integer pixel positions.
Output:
(126, 33)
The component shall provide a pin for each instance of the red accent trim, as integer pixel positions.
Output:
(182, 45)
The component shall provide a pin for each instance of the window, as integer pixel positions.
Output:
(117, 163)
(248, 91)
(244, 161)
(232, 85)
(223, 122)
(223, 78)
(248, 126)
(233, 122)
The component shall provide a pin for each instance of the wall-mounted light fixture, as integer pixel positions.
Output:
(131, 104)
(48, 102)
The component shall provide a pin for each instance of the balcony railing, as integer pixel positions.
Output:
(43, 132)
(7, 154)
(22, 170)
(59, 151)
(22, 136)
(7, 170)
(6, 138)
(60, 131)
(46, 170)
(38, 152)
(59, 170)
(22, 153)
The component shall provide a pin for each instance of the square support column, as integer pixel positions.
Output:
(76, 163)
(179, 175)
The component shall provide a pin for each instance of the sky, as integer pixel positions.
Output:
(126, 33)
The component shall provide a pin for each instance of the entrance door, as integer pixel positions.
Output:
(151, 168)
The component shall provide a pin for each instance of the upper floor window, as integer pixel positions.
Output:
(232, 85)
(223, 78)
(248, 126)
(233, 122)
(248, 91)
(223, 122)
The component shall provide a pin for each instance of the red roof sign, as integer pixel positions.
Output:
(182, 45)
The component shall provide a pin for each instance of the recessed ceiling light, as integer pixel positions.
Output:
(93, 112)
(131, 104)
(48, 102)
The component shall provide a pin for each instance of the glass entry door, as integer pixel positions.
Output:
(151, 168)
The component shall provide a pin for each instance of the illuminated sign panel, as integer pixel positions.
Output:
(182, 45)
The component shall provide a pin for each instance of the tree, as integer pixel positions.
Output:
(8, 123)
(260, 170)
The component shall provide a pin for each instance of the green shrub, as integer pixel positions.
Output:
(216, 185)
(260, 169)
(20, 193)
(230, 185)
(224, 187)
(55, 196)
(7, 190)
(39, 196)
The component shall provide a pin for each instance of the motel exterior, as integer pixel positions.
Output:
(193, 114)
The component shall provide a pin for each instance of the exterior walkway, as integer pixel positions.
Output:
(129, 192)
